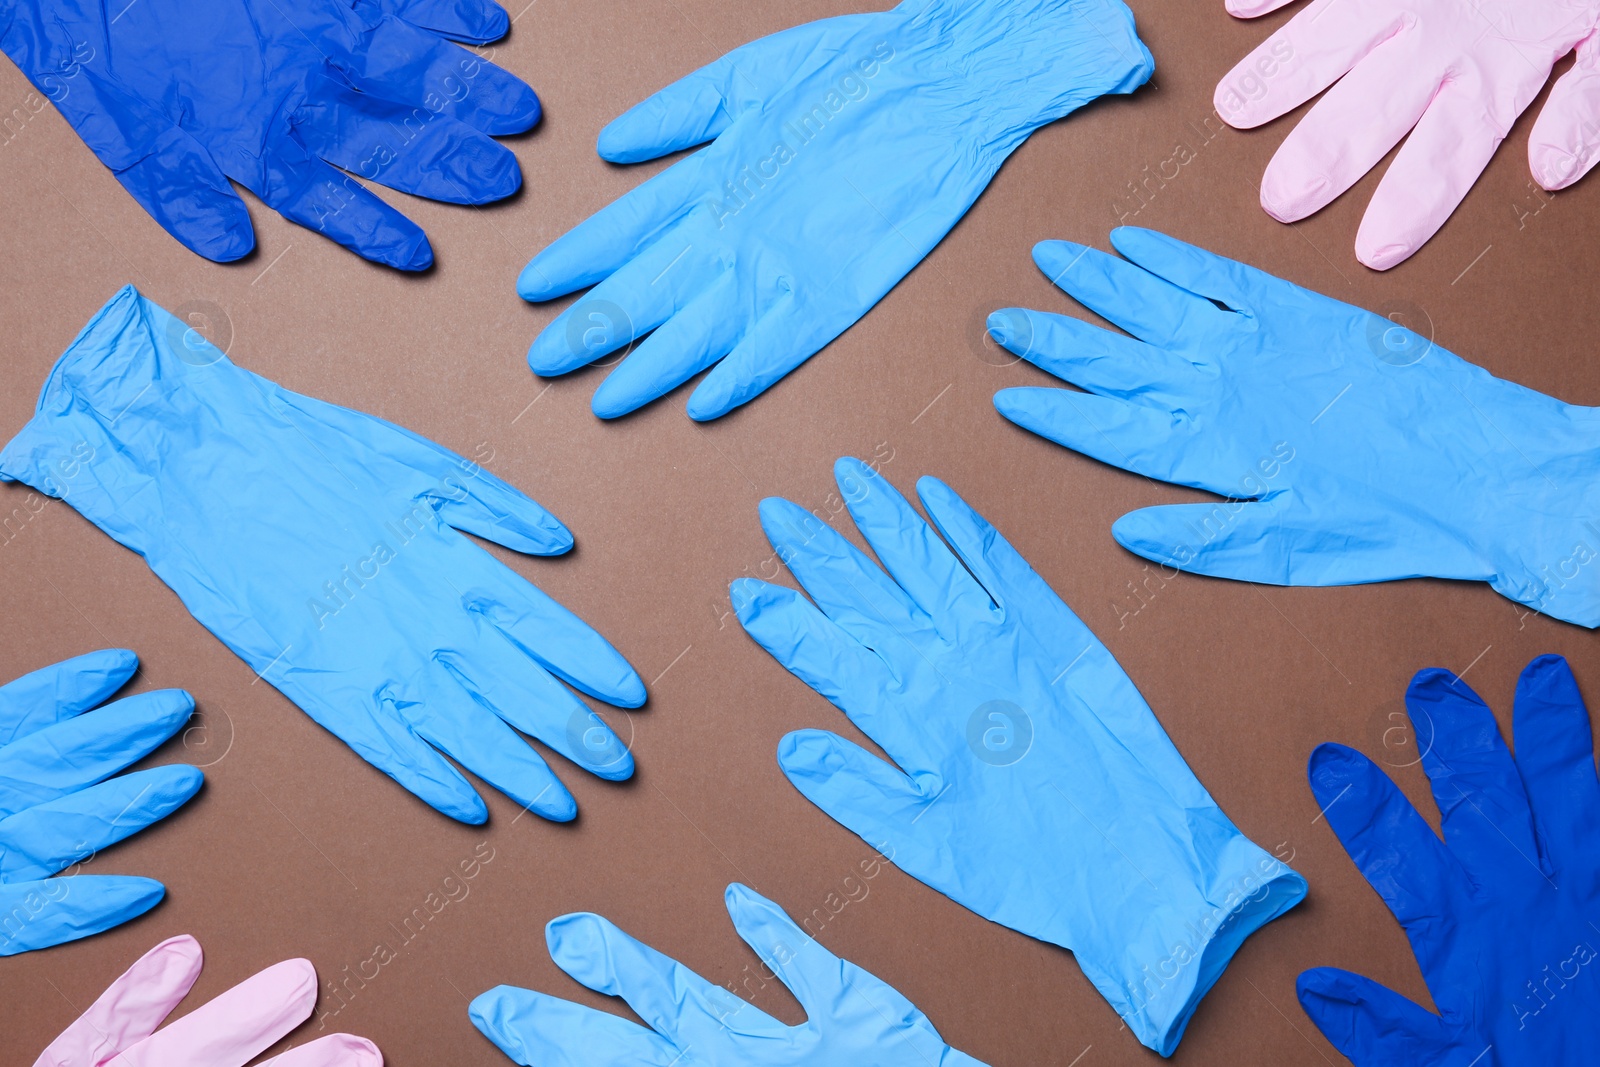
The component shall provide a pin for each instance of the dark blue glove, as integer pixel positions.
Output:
(1502, 914)
(179, 96)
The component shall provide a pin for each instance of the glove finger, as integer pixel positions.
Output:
(786, 335)
(543, 1031)
(707, 328)
(1249, 9)
(1565, 142)
(1420, 190)
(1555, 753)
(1395, 850)
(62, 690)
(819, 653)
(690, 111)
(1343, 136)
(1145, 440)
(433, 156)
(334, 1050)
(381, 736)
(1100, 361)
(309, 192)
(1284, 541)
(868, 797)
(1484, 809)
(644, 293)
(131, 1007)
(1133, 299)
(403, 63)
(849, 588)
(599, 245)
(816, 977)
(58, 910)
(522, 693)
(681, 1006)
(1316, 48)
(78, 752)
(920, 563)
(1189, 267)
(1359, 1016)
(556, 639)
(449, 719)
(472, 21)
(46, 838)
(235, 1027)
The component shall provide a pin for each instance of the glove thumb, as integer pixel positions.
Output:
(1565, 142)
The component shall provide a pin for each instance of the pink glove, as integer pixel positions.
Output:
(119, 1029)
(1459, 71)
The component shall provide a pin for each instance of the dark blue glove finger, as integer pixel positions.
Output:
(306, 190)
(472, 21)
(70, 755)
(1372, 1025)
(404, 147)
(46, 838)
(1484, 809)
(58, 910)
(403, 63)
(62, 690)
(1155, 311)
(1555, 755)
(1396, 851)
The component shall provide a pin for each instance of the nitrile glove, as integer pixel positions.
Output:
(320, 545)
(120, 1028)
(1502, 913)
(179, 96)
(843, 151)
(1031, 782)
(852, 1018)
(1350, 449)
(61, 799)
(1453, 76)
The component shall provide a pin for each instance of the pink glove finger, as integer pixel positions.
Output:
(1430, 175)
(1249, 9)
(131, 1007)
(1565, 142)
(335, 1050)
(1317, 47)
(237, 1026)
(1349, 130)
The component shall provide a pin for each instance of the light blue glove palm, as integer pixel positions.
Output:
(59, 801)
(1034, 785)
(843, 152)
(321, 545)
(852, 1018)
(1350, 448)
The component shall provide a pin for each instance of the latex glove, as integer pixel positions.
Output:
(120, 1028)
(844, 151)
(179, 96)
(320, 545)
(851, 1016)
(1501, 913)
(1031, 783)
(61, 799)
(1453, 76)
(1350, 449)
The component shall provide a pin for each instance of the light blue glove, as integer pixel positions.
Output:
(1034, 784)
(59, 801)
(852, 1018)
(1350, 449)
(320, 545)
(1502, 913)
(844, 150)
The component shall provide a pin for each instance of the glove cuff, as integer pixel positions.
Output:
(1024, 63)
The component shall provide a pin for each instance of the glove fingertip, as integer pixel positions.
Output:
(1332, 767)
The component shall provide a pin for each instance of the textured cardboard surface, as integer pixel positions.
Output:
(296, 847)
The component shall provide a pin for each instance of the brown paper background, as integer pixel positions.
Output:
(296, 847)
